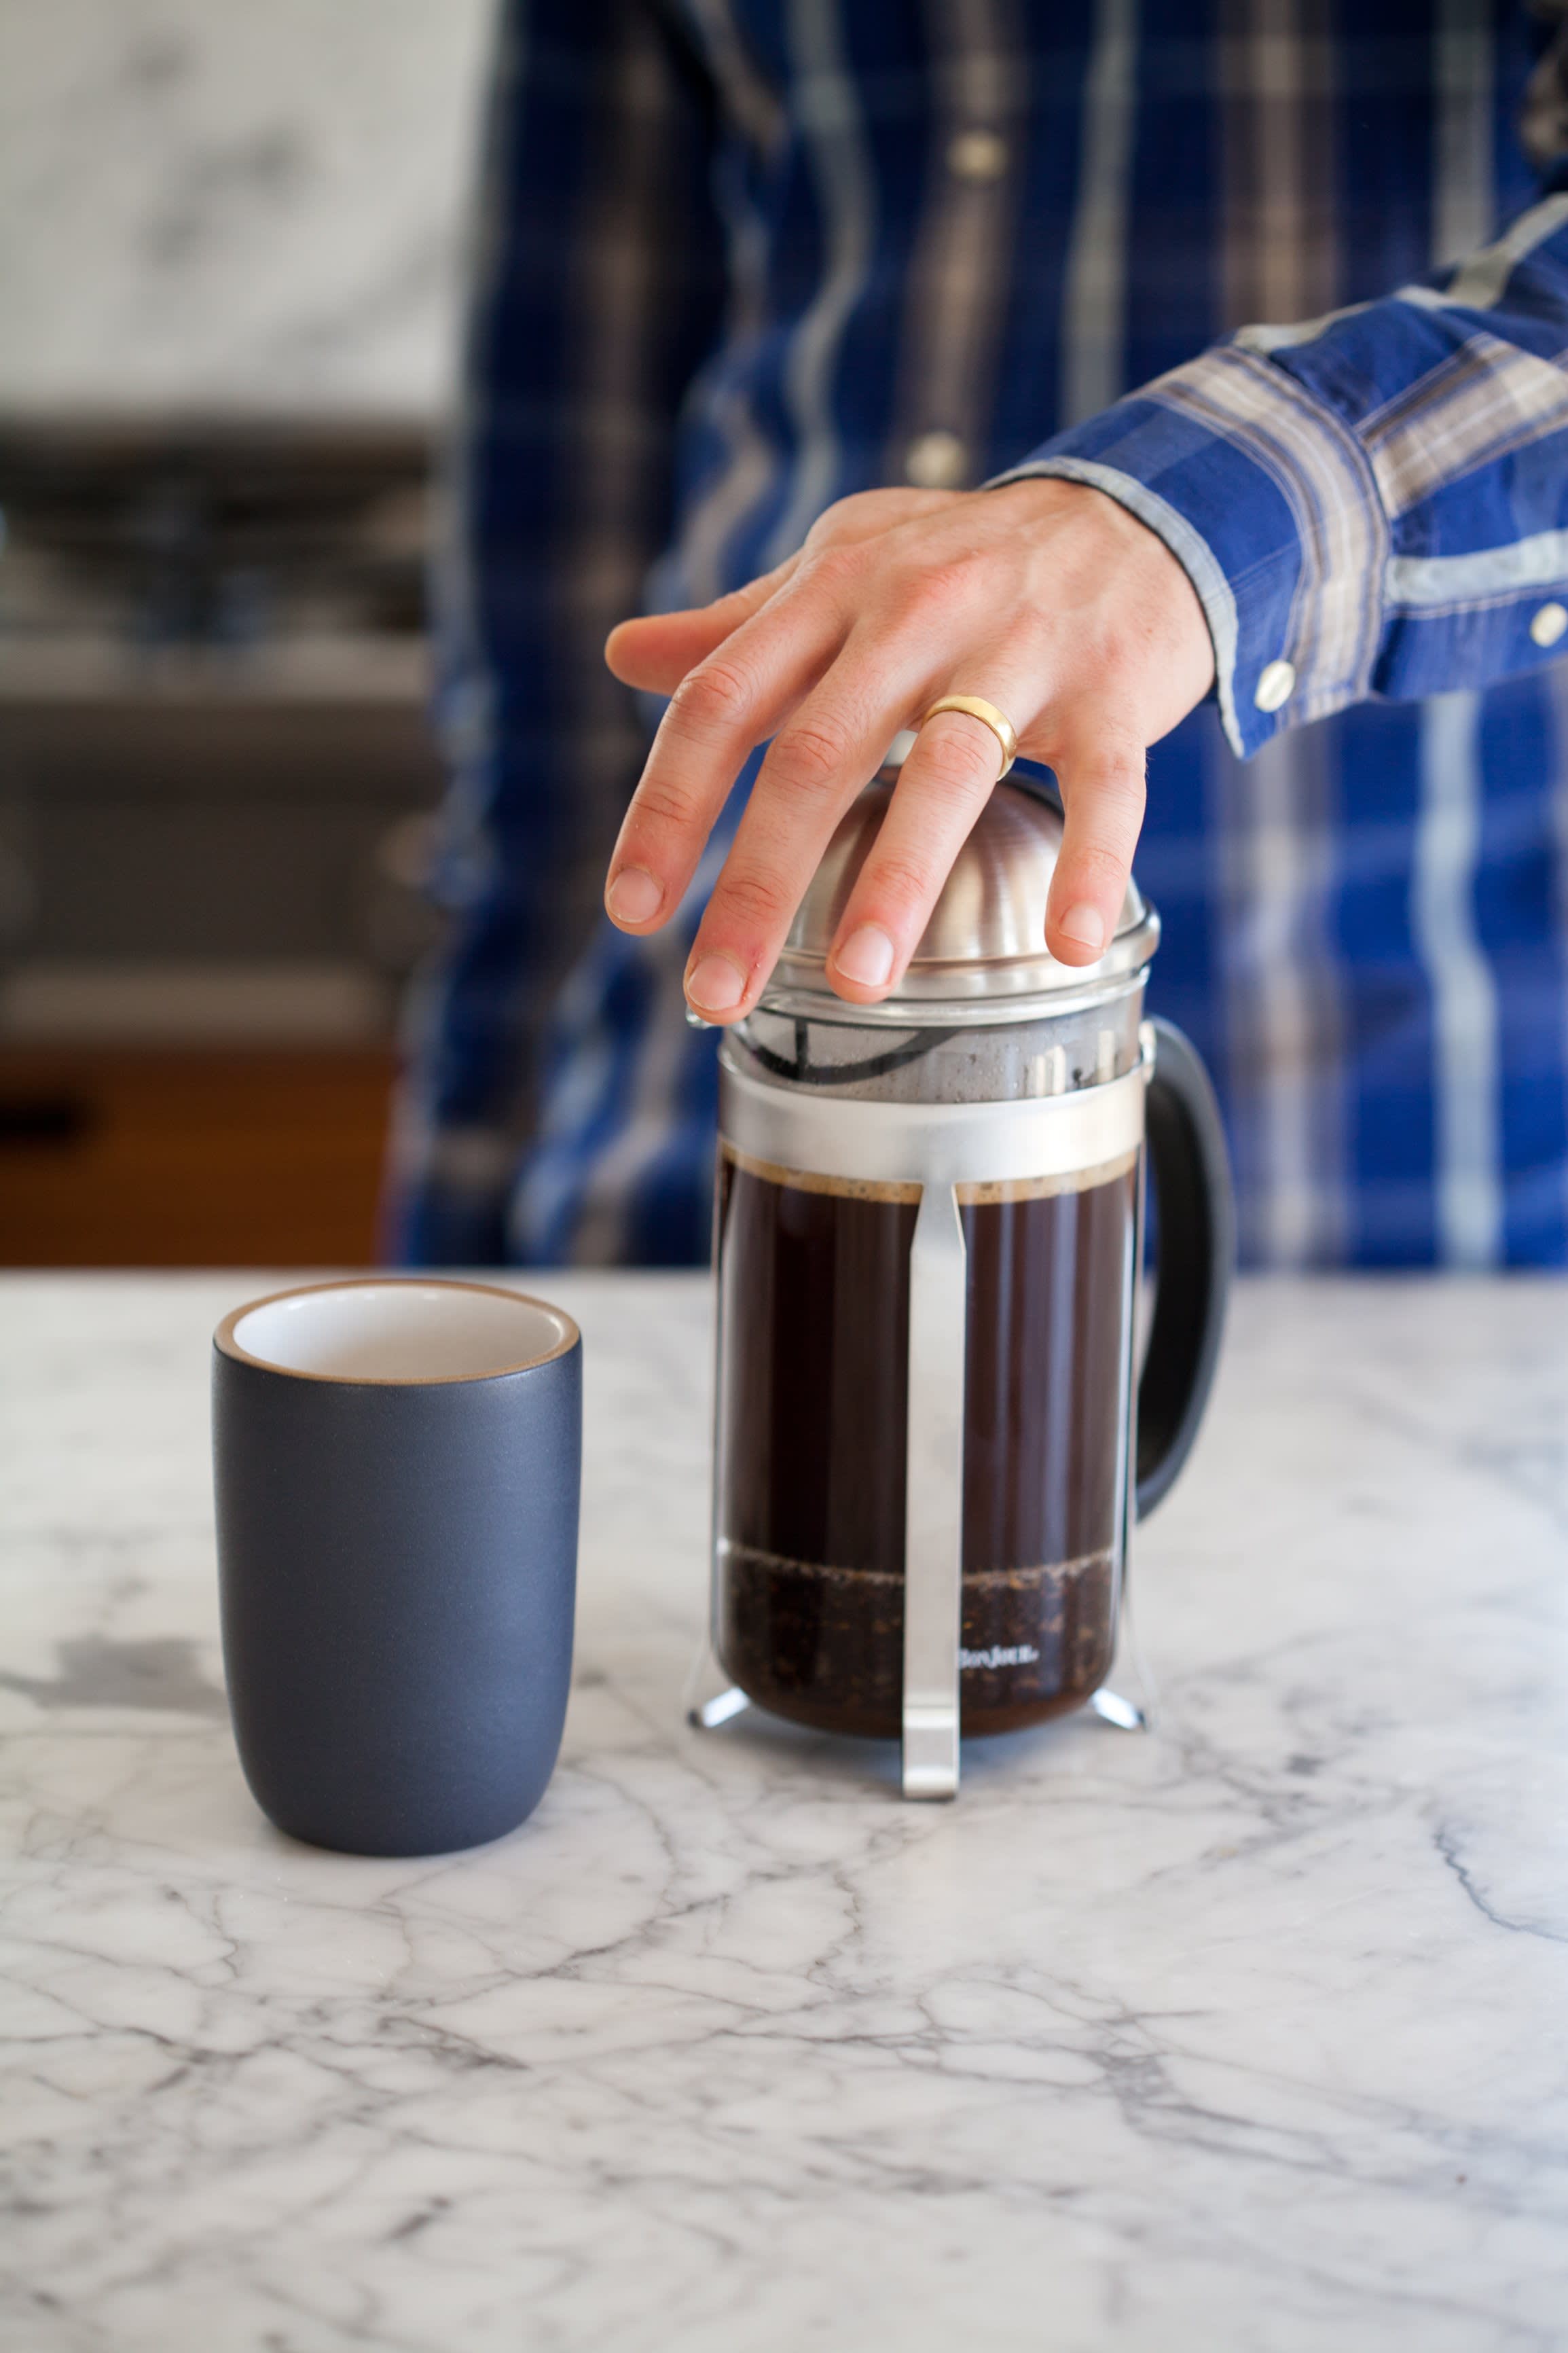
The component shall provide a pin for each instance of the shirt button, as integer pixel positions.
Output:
(1549, 624)
(1275, 686)
(937, 461)
(977, 155)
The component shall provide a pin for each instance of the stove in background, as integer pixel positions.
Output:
(216, 797)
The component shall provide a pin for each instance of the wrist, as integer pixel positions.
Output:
(1130, 559)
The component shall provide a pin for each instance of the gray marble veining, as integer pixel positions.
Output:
(1247, 2034)
(210, 205)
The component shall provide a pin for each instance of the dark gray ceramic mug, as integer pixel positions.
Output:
(397, 1469)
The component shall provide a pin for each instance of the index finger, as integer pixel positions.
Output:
(655, 650)
(719, 711)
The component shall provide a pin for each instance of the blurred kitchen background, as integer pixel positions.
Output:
(229, 249)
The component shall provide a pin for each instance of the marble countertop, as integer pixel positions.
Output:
(1245, 2034)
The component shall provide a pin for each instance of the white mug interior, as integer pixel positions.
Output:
(399, 1330)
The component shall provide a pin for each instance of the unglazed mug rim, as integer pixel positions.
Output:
(226, 1338)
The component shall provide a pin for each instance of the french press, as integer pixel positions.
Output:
(929, 1442)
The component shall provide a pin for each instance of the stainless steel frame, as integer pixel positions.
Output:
(940, 1147)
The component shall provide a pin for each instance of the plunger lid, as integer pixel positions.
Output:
(982, 956)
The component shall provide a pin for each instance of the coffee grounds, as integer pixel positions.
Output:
(825, 1646)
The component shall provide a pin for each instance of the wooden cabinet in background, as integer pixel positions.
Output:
(110, 1157)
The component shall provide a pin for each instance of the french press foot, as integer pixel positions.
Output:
(709, 1714)
(710, 1699)
(1122, 1714)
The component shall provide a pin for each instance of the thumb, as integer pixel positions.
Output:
(1103, 796)
(656, 651)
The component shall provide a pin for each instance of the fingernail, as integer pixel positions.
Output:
(867, 957)
(1084, 924)
(716, 986)
(633, 896)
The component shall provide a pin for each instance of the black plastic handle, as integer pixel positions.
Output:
(1190, 1169)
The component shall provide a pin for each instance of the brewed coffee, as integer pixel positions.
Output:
(813, 1307)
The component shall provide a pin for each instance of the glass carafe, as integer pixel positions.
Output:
(928, 1237)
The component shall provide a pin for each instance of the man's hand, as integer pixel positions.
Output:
(1044, 598)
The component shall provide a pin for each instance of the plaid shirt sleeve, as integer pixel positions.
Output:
(1373, 504)
(598, 285)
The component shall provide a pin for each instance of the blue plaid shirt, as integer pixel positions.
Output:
(740, 257)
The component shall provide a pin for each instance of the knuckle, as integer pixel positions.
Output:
(810, 757)
(839, 563)
(943, 583)
(849, 509)
(900, 881)
(1116, 785)
(712, 698)
(756, 898)
(664, 805)
(1099, 864)
(1109, 768)
(959, 763)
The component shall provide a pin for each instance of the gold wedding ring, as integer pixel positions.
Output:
(1001, 726)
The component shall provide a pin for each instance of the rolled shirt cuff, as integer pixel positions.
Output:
(1268, 503)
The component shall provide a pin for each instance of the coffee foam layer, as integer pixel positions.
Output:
(986, 1196)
